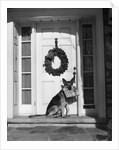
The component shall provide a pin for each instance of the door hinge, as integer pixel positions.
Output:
(34, 103)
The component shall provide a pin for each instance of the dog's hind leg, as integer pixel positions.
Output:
(52, 111)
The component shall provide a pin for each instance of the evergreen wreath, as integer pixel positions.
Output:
(50, 58)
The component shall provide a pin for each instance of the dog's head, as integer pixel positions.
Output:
(68, 84)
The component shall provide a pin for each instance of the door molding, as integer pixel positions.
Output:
(33, 68)
(27, 109)
(71, 43)
(100, 96)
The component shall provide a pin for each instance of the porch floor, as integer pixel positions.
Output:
(73, 119)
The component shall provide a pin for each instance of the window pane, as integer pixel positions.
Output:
(88, 96)
(88, 63)
(26, 81)
(26, 49)
(88, 79)
(26, 33)
(89, 106)
(15, 93)
(26, 97)
(87, 47)
(26, 65)
(15, 57)
(87, 31)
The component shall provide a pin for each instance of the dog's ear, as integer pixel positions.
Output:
(64, 81)
(72, 80)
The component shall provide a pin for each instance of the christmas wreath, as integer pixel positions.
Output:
(56, 52)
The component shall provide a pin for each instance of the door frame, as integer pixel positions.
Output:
(79, 84)
(100, 67)
(32, 109)
(86, 111)
(100, 95)
(79, 13)
(80, 103)
(39, 61)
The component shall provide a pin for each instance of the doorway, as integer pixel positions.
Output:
(48, 85)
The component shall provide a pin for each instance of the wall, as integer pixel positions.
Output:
(108, 61)
(108, 67)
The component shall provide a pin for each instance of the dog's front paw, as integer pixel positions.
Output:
(64, 116)
(67, 115)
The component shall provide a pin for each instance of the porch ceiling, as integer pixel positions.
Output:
(49, 14)
(48, 19)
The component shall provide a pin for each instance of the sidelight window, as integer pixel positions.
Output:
(88, 68)
(26, 65)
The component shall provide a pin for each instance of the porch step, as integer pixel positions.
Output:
(43, 120)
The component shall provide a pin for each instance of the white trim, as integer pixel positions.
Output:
(78, 69)
(19, 72)
(15, 69)
(38, 73)
(33, 68)
(10, 80)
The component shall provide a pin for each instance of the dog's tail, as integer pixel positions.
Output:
(33, 116)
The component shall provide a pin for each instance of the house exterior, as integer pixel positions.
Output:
(84, 34)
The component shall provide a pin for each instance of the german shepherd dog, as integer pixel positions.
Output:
(59, 102)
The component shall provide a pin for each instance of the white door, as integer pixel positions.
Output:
(48, 85)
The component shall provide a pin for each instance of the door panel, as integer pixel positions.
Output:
(48, 85)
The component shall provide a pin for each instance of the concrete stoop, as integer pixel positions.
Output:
(83, 121)
(41, 128)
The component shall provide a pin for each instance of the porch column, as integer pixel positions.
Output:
(100, 66)
(78, 71)
(10, 70)
(33, 66)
